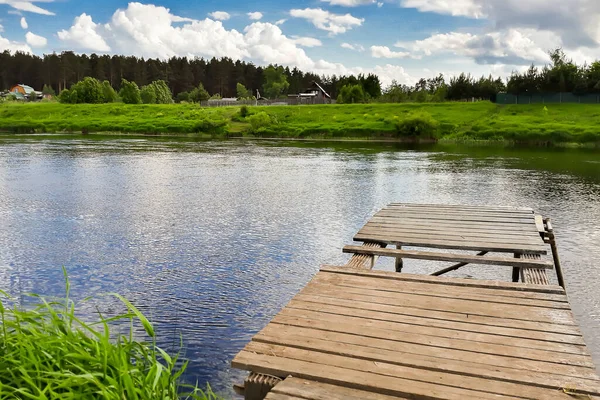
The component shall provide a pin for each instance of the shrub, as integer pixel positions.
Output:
(244, 111)
(110, 96)
(148, 95)
(130, 92)
(259, 121)
(420, 125)
(89, 90)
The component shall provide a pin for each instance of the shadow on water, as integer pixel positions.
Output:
(212, 238)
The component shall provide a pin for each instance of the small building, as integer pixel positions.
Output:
(315, 94)
(26, 91)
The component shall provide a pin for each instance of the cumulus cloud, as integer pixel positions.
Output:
(349, 3)
(255, 16)
(308, 42)
(220, 15)
(35, 40)
(84, 35)
(512, 47)
(327, 21)
(27, 5)
(11, 46)
(576, 21)
(385, 52)
(154, 32)
(24, 24)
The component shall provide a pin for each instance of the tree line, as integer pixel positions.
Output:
(198, 79)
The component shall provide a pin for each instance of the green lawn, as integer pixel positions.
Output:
(557, 123)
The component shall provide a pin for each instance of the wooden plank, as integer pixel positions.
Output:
(452, 217)
(281, 396)
(439, 291)
(529, 275)
(433, 331)
(469, 307)
(451, 235)
(427, 351)
(442, 343)
(407, 310)
(471, 367)
(526, 210)
(426, 255)
(306, 304)
(433, 288)
(451, 244)
(313, 390)
(482, 387)
(363, 261)
(448, 281)
(350, 378)
(539, 223)
(454, 231)
(467, 214)
(500, 227)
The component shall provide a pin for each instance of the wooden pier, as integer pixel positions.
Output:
(357, 333)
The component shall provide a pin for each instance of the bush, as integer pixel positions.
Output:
(148, 95)
(130, 92)
(244, 111)
(420, 125)
(110, 96)
(259, 121)
(89, 90)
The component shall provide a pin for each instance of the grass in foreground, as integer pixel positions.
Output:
(48, 352)
(535, 123)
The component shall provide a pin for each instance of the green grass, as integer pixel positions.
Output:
(538, 124)
(48, 352)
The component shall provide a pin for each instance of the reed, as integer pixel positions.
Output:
(47, 351)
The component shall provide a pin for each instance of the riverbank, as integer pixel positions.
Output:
(531, 124)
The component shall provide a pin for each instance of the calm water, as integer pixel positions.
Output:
(211, 239)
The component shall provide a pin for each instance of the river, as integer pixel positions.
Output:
(211, 238)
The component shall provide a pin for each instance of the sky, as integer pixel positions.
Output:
(401, 40)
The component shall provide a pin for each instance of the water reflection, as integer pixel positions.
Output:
(211, 239)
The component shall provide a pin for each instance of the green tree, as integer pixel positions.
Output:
(163, 93)
(130, 92)
(183, 96)
(148, 94)
(242, 92)
(351, 94)
(199, 94)
(110, 96)
(275, 81)
(89, 90)
(47, 90)
(65, 96)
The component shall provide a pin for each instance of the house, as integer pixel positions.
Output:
(315, 94)
(26, 91)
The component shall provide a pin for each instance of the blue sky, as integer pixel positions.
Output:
(397, 39)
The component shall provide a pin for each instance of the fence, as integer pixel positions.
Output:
(547, 98)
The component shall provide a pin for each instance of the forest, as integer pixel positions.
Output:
(188, 78)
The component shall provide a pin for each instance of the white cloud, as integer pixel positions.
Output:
(576, 21)
(380, 4)
(308, 42)
(1, 28)
(35, 40)
(349, 3)
(467, 8)
(266, 43)
(27, 5)
(255, 16)
(24, 23)
(11, 46)
(84, 35)
(512, 47)
(280, 22)
(325, 20)
(220, 15)
(385, 52)
(355, 47)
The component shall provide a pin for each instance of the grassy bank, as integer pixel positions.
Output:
(556, 123)
(49, 352)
